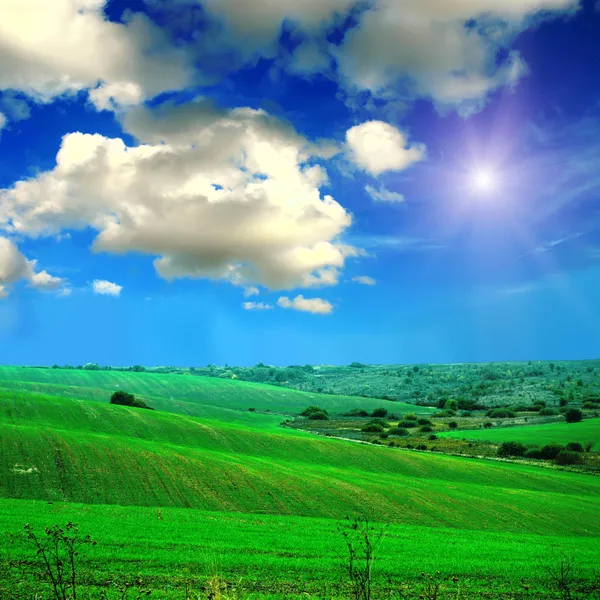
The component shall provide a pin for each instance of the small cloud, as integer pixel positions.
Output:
(251, 291)
(256, 306)
(2, 121)
(316, 306)
(106, 288)
(44, 281)
(364, 280)
(376, 147)
(65, 292)
(383, 194)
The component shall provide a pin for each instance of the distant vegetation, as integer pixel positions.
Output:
(126, 399)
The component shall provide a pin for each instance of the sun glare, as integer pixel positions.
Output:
(484, 181)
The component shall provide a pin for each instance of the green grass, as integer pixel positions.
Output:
(286, 554)
(75, 451)
(562, 433)
(181, 393)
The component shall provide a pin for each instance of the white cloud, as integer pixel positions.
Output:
(377, 147)
(106, 288)
(383, 194)
(364, 280)
(225, 195)
(15, 267)
(16, 108)
(256, 306)
(312, 305)
(427, 46)
(51, 48)
(251, 291)
(2, 121)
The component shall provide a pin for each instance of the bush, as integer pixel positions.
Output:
(574, 447)
(573, 415)
(533, 453)
(356, 412)
(432, 437)
(421, 447)
(424, 421)
(453, 424)
(126, 399)
(310, 410)
(373, 428)
(548, 412)
(318, 415)
(384, 436)
(398, 431)
(426, 429)
(567, 457)
(410, 417)
(379, 412)
(487, 425)
(512, 449)
(551, 451)
(501, 413)
(445, 413)
(407, 423)
(251, 409)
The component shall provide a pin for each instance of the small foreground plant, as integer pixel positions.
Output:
(57, 550)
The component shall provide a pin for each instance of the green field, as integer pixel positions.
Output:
(562, 433)
(173, 496)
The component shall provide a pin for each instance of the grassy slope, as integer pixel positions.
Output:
(586, 431)
(180, 393)
(53, 449)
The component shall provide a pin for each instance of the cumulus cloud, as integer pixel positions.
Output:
(364, 280)
(52, 48)
(228, 195)
(106, 288)
(383, 194)
(251, 291)
(2, 121)
(15, 267)
(376, 147)
(256, 306)
(316, 306)
(438, 49)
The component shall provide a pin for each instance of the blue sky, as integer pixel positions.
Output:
(215, 181)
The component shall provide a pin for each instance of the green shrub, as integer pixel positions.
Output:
(398, 431)
(501, 413)
(410, 417)
(356, 412)
(426, 429)
(548, 412)
(487, 425)
(574, 447)
(310, 410)
(567, 457)
(384, 435)
(551, 451)
(379, 412)
(127, 399)
(453, 424)
(407, 423)
(423, 421)
(512, 449)
(421, 447)
(432, 437)
(533, 453)
(318, 415)
(573, 415)
(373, 428)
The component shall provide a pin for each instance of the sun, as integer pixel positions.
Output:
(484, 181)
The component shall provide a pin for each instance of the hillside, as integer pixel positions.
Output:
(76, 451)
(180, 393)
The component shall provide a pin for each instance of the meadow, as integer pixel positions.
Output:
(560, 433)
(174, 497)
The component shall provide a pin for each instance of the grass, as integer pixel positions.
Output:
(181, 393)
(286, 555)
(562, 433)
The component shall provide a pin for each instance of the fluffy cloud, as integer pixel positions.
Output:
(15, 267)
(316, 306)
(225, 195)
(106, 288)
(377, 147)
(51, 48)
(251, 291)
(364, 280)
(2, 121)
(383, 194)
(439, 49)
(256, 306)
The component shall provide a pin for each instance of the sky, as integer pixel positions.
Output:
(318, 182)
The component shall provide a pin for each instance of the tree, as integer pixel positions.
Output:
(127, 399)
(512, 449)
(573, 415)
